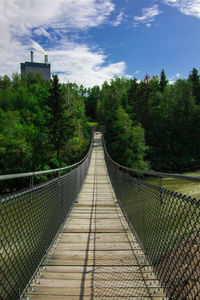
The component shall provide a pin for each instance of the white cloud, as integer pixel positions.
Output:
(129, 76)
(81, 65)
(148, 15)
(171, 81)
(119, 19)
(56, 14)
(173, 78)
(84, 13)
(137, 72)
(187, 7)
(148, 25)
(51, 20)
(42, 32)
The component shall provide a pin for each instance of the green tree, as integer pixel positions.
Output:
(126, 143)
(56, 117)
(15, 149)
(194, 78)
(38, 128)
(163, 80)
(124, 137)
(91, 102)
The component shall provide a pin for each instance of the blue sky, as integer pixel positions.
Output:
(90, 41)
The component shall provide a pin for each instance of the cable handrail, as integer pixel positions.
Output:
(30, 174)
(151, 172)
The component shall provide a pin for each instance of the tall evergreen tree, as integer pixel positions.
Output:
(57, 122)
(194, 78)
(163, 80)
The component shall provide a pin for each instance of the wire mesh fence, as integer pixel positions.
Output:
(29, 222)
(166, 225)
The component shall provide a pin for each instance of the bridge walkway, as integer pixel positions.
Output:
(96, 256)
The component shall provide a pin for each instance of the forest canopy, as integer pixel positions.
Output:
(149, 123)
(39, 129)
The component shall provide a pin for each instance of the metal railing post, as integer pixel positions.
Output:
(31, 186)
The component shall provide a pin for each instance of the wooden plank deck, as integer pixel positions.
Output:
(96, 255)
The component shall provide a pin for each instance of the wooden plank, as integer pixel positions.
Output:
(96, 204)
(110, 227)
(81, 229)
(95, 210)
(103, 185)
(97, 216)
(94, 221)
(55, 297)
(57, 261)
(90, 197)
(93, 228)
(92, 203)
(99, 283)
(72, 291)
(96, 236)
(89, 211)
(99, 221)
(96, 276)
(108, 245)
(103, 270)
(100, 246)
(110, 255)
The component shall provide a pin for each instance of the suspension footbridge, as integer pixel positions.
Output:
(97, 232)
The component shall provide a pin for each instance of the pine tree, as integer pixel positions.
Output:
(194, 78)
(163, 80)
(57, 123)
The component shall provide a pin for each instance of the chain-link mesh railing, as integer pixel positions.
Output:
(29, 222)
(167, 227)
